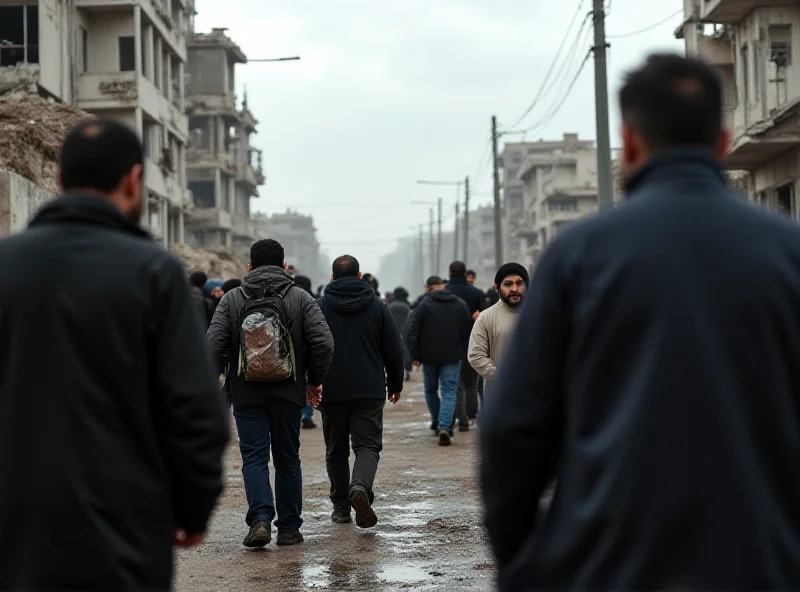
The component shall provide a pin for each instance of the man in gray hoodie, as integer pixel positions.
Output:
(268, 413)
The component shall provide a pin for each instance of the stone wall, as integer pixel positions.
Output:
(19, 201)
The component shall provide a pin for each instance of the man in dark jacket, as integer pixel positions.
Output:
(197, 281)
(400, 310)
(112, 428)
(474, 298)
(268, 413)
(655, 373)
(307, 419)
(367, 367)
(438, 339)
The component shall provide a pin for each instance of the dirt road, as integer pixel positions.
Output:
(429, 536)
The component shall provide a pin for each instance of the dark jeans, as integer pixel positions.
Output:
(362, 421)
(274, 422)
(308, 412)
(467, 406)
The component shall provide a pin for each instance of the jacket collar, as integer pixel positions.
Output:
(81, 209)
(457, 281)
(676, 163)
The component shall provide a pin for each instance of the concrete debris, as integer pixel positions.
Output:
(31, 134)
(216, 264)
(19, 83)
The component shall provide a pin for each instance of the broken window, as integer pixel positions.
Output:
(780, 47)
(19, 35)
(127, 54)
(203, 193)
(785, 199)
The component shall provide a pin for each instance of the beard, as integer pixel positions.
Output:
(506, 298)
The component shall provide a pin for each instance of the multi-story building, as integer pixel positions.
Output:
(481, 245)
(559, 187)
(518, 233)
(121, 60)
(755, 45)
(224, 170)
(298, 236)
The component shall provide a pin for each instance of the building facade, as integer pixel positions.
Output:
(224, 170)
(298, 236)
(755, 46)
(120, 60)
(481, 246)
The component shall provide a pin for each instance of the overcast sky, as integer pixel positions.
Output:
(391, 91)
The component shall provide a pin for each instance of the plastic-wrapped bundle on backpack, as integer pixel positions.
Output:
(266, 349)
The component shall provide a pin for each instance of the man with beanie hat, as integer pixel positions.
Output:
(493, 329)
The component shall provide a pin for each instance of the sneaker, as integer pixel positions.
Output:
(463, 427)
(260, 535)
(445, 438)
(308, 424)
(341, 516)
(365, 516)
(289, 537)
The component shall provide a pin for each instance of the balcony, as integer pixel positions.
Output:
(765, 140)
(733, 11)
(250, 175)
(243, 227)
(201, 158)
(212, 105)
(717, 50)
(213, 218)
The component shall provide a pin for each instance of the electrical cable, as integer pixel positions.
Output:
(646, 29)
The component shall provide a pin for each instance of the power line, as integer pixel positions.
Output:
(541, 93)
(646, 29)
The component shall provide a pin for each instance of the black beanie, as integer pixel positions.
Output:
(508, 269)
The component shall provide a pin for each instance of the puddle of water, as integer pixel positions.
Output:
(316, 576)
(403, 575)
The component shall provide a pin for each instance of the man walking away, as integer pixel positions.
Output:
(280, 349)
(474, 298)
(438, 339)
(307, 419)
(495, 326)
(368, 361)
(112, 427)
(197, 281)
(400, 310)
(655, 374)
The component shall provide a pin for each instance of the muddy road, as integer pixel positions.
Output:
(429, 535)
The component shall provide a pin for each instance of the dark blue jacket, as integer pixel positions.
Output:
(369, 356)
(440, 328)
(473, 297)
(655, 372)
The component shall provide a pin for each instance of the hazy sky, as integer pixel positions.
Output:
(391, 91)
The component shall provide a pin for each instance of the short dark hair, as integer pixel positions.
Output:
(198, 279)
(231, 285)
(97, 154)
(458, 269)
(434, 280)
(345, 266)
(303, 282)
(472, 273)
(673, 100)
(266, 252)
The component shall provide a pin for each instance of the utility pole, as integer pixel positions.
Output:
(498, 214)
(439, 242)
(455, 238)
(605, 188)
(430, 243)
(420, 257)
(466, 220)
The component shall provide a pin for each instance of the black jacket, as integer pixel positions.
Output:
(202, 306)
(369, 354)
(312, 339)
(440, 329)
(112, 427)
(400, 310)
(473, 297)
(655, 373)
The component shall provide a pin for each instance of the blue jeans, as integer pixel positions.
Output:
(444, 378)
(272, 423)
(308, 412)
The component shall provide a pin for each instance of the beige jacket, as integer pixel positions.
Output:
(490, 336)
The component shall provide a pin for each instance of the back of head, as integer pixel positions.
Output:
(434, 283)
(400, 293)
(266, 252)
(458, 269)
(303, 282)
(97, 155)
(231, 285)
(673, 101)
(198, 279)
(346, 266)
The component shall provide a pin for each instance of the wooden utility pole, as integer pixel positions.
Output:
(605, 183)
(431, 245)
(466, 220)
(498, 213)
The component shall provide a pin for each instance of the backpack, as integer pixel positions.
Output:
(264, 340)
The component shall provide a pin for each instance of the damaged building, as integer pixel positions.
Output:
(298, 236)
(224, 169)
(121, 61)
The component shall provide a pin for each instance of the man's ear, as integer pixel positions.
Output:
(724, 143)
(286, 267)
(249, 267)
(359, 275)
(332, 278)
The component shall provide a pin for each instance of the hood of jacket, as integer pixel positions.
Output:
(350, 295)
(268, 276)
(442, 296)
(81, 209)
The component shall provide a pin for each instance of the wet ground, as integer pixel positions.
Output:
(429, 536)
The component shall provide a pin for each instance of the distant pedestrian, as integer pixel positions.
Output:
(197, 281)
(654, 373)
(467, 405)
(112, 427)
(495, 326)
(492, 297)
(373, 282)
(307, 419)
(401, 309)
(438, 340)
(367, 369)
(471, 277)
(280, 348)
(231, 285)
(213, 293)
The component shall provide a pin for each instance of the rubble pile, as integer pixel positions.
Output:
(19, 83)
(216, 264)
(31, 133)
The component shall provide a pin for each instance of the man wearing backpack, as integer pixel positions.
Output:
(272, 342)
